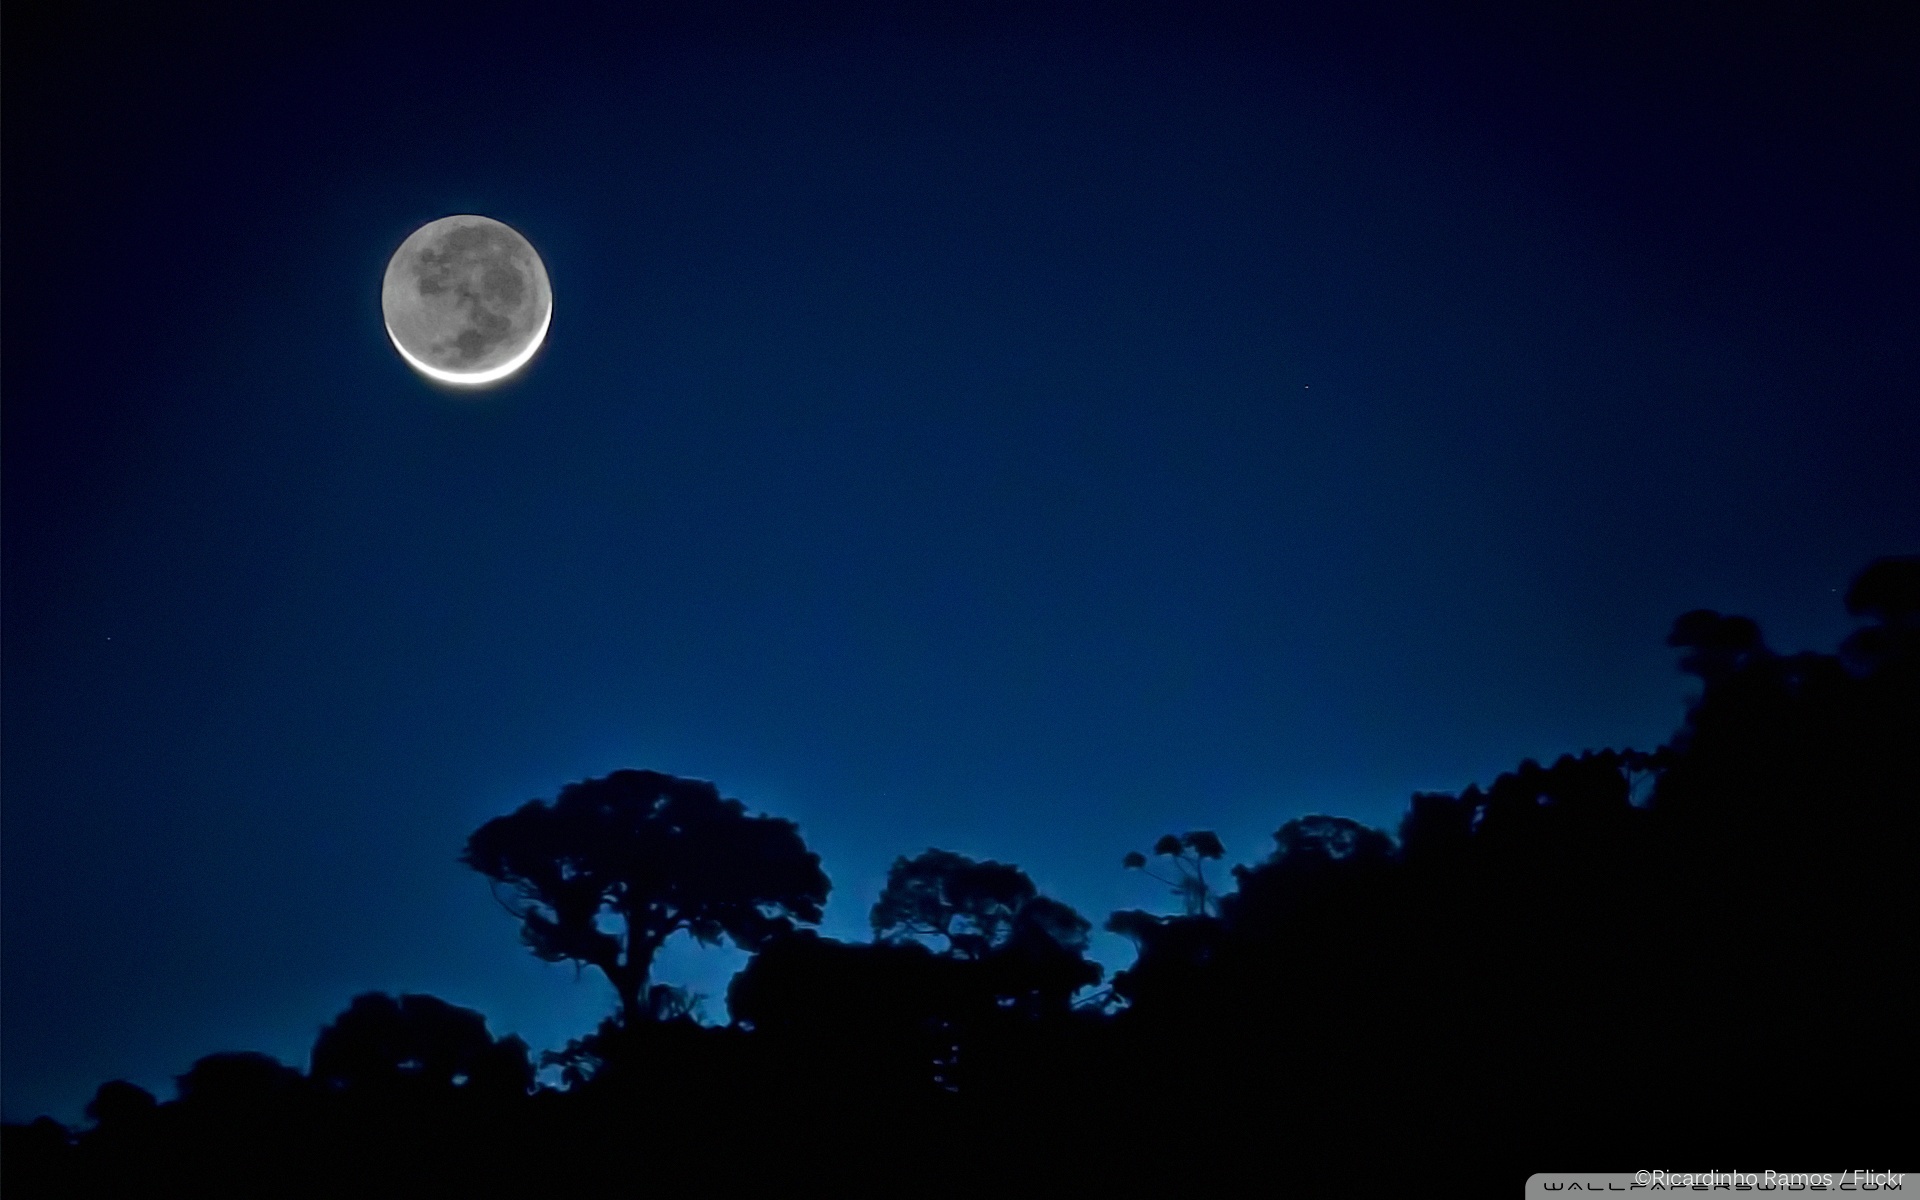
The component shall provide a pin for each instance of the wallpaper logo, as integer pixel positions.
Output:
(1719, 1181)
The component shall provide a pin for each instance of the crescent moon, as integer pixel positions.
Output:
(466, 300)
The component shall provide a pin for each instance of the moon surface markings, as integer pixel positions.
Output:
(466, 300)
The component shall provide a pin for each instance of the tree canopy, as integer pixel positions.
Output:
(969, 906)
(384, 1042)
(652, 855)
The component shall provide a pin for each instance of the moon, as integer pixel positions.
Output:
(466, 300)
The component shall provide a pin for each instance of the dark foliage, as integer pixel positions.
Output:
(416, 1045)
(656, 854)
(1188, 853)
(1620, 956)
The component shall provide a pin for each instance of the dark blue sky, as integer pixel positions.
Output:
(1011, 429)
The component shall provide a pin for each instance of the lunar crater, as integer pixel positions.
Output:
(467, 299)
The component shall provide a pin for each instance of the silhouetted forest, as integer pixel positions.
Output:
(1621, 956)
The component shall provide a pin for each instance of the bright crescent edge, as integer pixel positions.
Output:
(476, 378)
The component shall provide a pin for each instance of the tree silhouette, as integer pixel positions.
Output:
(1189, 853)
(1030, 949)
(971, 906)
(1043, 962)
(967, 962)
(385, 1043)
(622, 1054)
(1718, 646)
(873, 1017)
(120, 1103)
(1170, 954)
(1889, 592)
(239, 1081)
(652, 855)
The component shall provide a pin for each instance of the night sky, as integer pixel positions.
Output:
(1022, 430)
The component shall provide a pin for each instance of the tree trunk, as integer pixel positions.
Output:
(629, 977)
(630, 985)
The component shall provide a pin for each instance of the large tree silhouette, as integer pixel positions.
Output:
(1033, 947)
(417, 1042)
(649, 855)
(973, 907)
